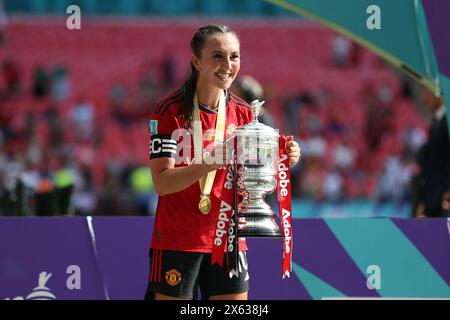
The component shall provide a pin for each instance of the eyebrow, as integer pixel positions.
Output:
(221, 51)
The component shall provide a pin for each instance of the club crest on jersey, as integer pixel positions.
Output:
(173, 277)
(153, 126)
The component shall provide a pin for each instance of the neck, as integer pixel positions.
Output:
(208, 95)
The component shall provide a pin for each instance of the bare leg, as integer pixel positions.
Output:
(232, 296)
(159, 296)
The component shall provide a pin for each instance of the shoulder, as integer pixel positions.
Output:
(164, 119)
(169, 104)
(242, 109)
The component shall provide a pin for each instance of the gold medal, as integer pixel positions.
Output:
(205, 204)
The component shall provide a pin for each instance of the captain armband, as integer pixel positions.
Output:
(162, 146)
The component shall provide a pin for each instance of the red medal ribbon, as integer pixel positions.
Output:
(285, 203)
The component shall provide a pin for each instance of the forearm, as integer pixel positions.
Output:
(173, 180)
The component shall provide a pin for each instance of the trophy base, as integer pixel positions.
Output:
(258, 228)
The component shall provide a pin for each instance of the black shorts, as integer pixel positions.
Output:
(181, 274)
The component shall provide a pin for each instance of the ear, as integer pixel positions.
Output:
(196, 62)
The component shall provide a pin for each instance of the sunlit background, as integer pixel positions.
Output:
(75, 105)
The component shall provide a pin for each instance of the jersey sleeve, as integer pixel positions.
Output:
(163, 135)
(243, 110)
(245, 115)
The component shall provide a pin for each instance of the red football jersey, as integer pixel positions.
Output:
(179, 225)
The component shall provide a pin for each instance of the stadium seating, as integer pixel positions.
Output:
(284, 55)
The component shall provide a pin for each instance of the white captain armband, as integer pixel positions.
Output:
(162, 146)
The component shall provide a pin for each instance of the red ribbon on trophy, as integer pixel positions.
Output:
(221, 238)
(285, 203)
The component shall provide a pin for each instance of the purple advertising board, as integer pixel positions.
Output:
(107, 258)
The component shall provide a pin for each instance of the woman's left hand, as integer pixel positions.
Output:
(293, 150)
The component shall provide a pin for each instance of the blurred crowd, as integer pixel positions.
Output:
(55, 175)
(342, 161)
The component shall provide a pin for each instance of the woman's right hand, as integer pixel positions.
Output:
(218, 156)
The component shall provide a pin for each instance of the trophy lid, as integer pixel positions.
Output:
(255, 128)
(256, 106)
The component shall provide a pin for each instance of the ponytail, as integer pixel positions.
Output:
(187, 98)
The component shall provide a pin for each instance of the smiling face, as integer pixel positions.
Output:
(219, 62)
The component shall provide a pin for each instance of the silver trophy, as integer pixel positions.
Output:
(257, 159)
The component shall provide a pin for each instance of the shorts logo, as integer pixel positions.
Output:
(173, 277)
(153, 126)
